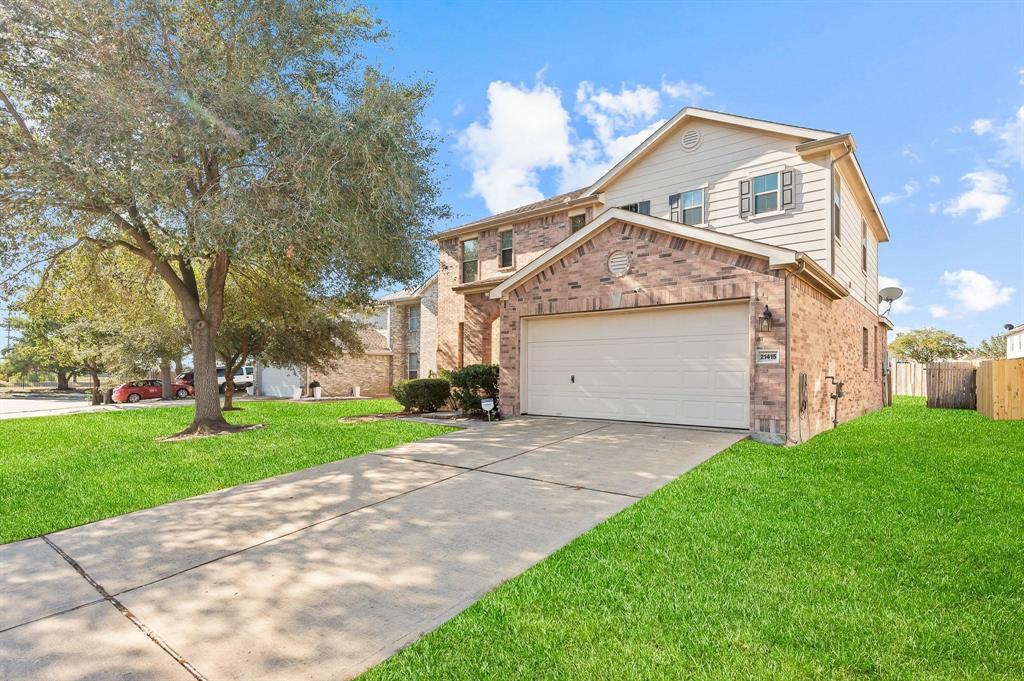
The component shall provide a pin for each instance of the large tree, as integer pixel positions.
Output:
(992, 348)
(37, 349)
(205, 135)
(928, 345)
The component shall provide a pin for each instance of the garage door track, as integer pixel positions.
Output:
(322, 573)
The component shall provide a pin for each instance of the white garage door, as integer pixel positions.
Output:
(279, 381)
(684, 365)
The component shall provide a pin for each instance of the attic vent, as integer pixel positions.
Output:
(692, 140)
(618, 263)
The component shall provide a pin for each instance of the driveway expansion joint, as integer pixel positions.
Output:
(129, 615)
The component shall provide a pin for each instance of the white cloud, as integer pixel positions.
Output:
(974, 291)
(955, 129)
(908, 190)
(938, 311)
(909, 152)
(527, 131)
(933, 208)
(458, 109)
(1020, 72)
(988, 196)
(691, 92)
(902, 304)
(981, 126)
(935, 179)
(1008, 137)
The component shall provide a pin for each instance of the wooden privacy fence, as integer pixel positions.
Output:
(952, 385)
(1001, 389)
(908, 378)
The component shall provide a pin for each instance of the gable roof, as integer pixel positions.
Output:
(693, 113)
(775, 255)
(409, 294)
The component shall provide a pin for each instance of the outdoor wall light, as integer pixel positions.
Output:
(764, 322)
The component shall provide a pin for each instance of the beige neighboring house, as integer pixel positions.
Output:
(412, 330)
(372, 371)
(723, 274)
(1014, 341)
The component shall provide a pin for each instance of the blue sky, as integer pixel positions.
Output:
(536, 98)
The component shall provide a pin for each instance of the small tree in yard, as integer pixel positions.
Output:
(38, 350)
(992, 348)
(277, 318)
(928, 345)
(207, 138)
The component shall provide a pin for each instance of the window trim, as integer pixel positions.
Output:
(778, 194)
(463, 261)
(511, 250)
(703, 189)
(577, 215)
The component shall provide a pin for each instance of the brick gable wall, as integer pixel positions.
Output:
(664, 270)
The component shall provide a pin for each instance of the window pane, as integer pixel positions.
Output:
(469, 250)
(506, 239)
(576, 223)
(693, 199)
(766, 183)
(765, 203)
(693, 216)
(469, 271)
(506, 257)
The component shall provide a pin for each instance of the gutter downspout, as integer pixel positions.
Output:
(789, 344)
(831, 213)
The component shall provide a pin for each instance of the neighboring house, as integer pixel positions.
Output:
(412, 330)
(372, 370)
(1014, 341)
(716, 276)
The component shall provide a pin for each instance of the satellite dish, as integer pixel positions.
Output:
(889, 294)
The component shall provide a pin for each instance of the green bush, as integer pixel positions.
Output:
(422, 394)
(473, 382)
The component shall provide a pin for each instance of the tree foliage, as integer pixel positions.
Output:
(205, 136)
(992, 348)
(928, 345)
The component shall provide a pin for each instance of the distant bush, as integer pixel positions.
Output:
(473, 382)
(422, 394)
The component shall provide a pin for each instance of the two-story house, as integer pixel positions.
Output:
(723, 274)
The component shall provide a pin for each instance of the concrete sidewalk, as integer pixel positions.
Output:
(321, 573)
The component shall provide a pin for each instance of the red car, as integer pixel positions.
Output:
(133, 391)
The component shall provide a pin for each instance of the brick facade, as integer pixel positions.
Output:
(664, 270)
(371, 372)
(828, 340)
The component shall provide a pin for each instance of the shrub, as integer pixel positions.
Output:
(473, 382)
(422, 394)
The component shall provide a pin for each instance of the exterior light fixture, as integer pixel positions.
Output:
(764, 322)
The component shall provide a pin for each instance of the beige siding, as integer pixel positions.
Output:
(863, 284)
(726, 156)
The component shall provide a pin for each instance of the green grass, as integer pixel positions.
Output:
(892, 547)
(62, 471)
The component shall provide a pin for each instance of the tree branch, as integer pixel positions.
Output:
(9, 105)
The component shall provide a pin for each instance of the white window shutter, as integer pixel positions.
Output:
(744, 198)
(788, 191)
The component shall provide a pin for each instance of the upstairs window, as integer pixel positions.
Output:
(414, 318)
(470, 263)
(576, 222)
(864, 246)
(693, 207)
(505, 249)
(836, 213)
(643, 207)
(766, 193)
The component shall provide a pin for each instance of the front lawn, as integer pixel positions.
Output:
(892, 547)
(61, 471)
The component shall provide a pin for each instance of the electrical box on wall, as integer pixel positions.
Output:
(766, 356)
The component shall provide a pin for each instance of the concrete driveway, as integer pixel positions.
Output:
(322, 573)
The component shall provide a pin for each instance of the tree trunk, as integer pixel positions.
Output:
(95, 375)
(63, 380)
(165, 380)
(208, 418)
(177, 366)
(229, 388)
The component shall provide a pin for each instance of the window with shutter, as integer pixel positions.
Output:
(643, 207)
(693, 207)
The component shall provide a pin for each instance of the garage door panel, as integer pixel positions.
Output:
(686, 366)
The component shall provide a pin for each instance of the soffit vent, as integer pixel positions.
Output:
(691, 140)
(618, 263)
